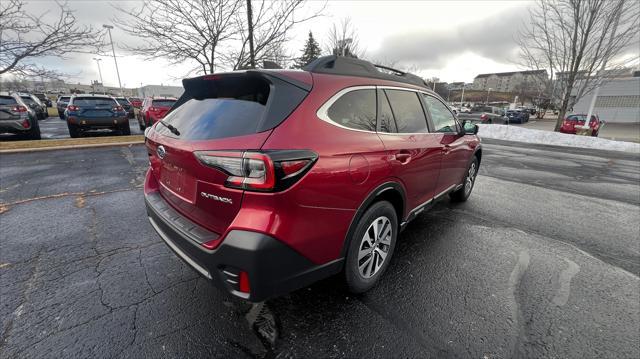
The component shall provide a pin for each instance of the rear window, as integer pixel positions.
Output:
(234, 104)
(122, 101)
(214, 118)
(163, 103)
(64, 99)
(7, 100)
(28, 100)
(93, 101)
(355, 109)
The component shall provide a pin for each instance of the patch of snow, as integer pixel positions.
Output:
(520, 134)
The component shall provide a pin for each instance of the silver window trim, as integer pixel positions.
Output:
(322, 112)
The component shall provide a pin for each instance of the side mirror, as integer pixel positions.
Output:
(469, 128)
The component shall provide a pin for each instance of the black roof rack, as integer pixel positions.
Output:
(348, 66)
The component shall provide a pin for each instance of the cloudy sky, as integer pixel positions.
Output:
(452, 40)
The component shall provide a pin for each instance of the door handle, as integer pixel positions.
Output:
(446, 149)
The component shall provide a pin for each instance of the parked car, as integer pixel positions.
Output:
(266, 181)
(465, 109)
(136, 102)
(34, 103)
(518, 116)
(93, 112)
(570, 122)
(153, 109)
(484, 115)
(61, 105)
(44, 99)
(127, 106)
(17, 117)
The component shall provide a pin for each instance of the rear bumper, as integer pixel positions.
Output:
(88, 122)
(273, 267)
(13, 126)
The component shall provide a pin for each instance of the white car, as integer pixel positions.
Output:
(464, 109)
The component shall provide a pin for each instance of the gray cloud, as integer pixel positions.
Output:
(493, 38)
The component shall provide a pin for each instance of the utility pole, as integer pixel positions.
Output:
(252, 55)
(109, 27)
(97, 60)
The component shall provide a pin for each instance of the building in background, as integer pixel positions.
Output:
(160, 90)
(533, 80)
(618, 99)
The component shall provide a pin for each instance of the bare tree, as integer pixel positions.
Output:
(272, 22)
(343, 40)
(181, 30)
(25, 37)
(572, 39)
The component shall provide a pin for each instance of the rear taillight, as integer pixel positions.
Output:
(73, 108)
(19, 109)
(153, 109)
(483, 116)
(259, 171)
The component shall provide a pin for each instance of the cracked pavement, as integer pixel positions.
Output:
(543, 261)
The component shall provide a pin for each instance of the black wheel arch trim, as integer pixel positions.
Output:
(368, 201)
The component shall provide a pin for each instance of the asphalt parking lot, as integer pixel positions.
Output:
(543, 261)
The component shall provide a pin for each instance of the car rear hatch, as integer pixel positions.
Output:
(160, 107)
(217, 119)
(8, 107)
(95, 107)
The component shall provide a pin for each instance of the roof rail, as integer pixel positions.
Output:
(348, 66)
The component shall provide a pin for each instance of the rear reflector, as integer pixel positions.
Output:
(243, 283)
(25, 124)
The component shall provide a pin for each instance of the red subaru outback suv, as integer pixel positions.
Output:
(153, 109)
(266, 181)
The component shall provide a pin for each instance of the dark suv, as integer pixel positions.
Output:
(17, 117)
(94, 112)
(265, 181)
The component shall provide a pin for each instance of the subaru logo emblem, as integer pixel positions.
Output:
(161, 151)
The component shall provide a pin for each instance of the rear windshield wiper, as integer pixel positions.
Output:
(170, 127)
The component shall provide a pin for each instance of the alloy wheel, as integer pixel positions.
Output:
(471, 177)
(374, 247)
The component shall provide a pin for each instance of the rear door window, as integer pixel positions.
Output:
(407, 111)
(355, 109)
(385, 115)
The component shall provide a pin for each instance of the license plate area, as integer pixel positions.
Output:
(175, 179)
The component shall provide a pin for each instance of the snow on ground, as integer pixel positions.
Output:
(520, 134)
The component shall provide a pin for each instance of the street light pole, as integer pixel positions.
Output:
(488, 92)
(109, 27)
(462, 97)
(97, 60)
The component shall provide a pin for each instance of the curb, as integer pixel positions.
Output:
(70, 147)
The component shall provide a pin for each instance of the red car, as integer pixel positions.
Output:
(265, 181)
(570, 122)
(136, 102)
(153, 109)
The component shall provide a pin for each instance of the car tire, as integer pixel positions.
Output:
(142, 127)
(368, 257)
(469, 181)
(125, 129)
(489, 122)
(74, 131)
(34, 132)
